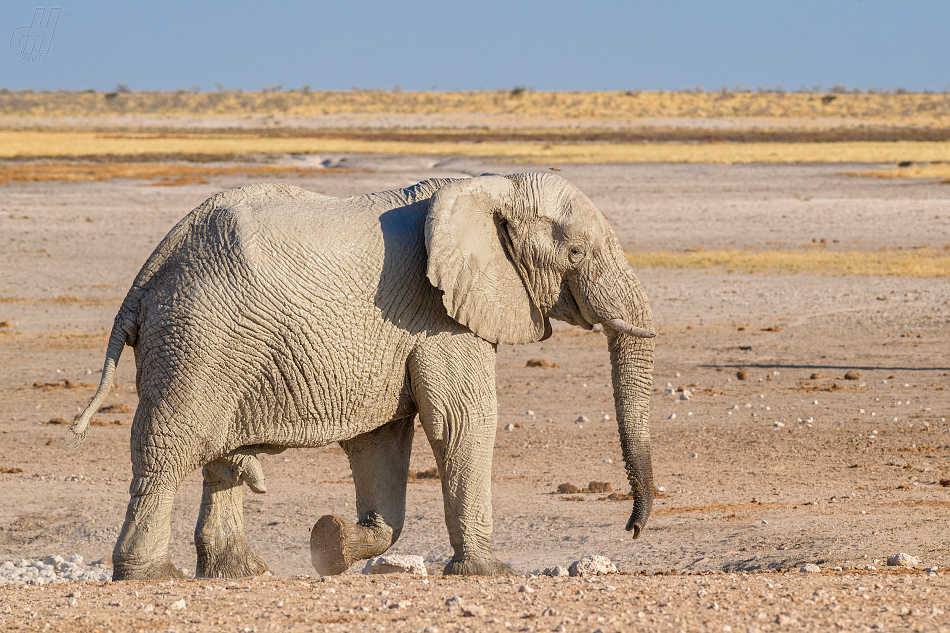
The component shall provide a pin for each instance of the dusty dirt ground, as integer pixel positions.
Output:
(793, 465)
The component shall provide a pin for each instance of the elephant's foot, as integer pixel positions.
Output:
(336, 544)
(235, 560)
(125, 570)
(486, 565)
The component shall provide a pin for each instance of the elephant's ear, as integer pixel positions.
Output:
(470, 262)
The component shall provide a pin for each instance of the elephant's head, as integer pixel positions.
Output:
(510, 252)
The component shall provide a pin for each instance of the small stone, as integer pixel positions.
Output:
(785, 620)
(396, 564)
(902, 560)
(557, 571)
(932, 570)
(567, 489)
(529, 412)
(525, 589)
(509, 427)
(592, 566)
(402, 604)
(672, 416)
(148, 608)
(852, 375)
(582, 419)
(695, 455)
(541, 363)
(474, 611)
(810, 568)
(178, 605)
(686, 394)
(742, 375)
(455, 602)
(72, 602)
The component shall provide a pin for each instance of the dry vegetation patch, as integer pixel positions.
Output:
(937, 171)
(911, 263)
(925, 108)
(162, 174)
(21, 144)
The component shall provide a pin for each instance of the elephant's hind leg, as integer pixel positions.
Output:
(141, 553)
(380, 463)
(220, 540)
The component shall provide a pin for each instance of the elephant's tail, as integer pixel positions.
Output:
(124, 331)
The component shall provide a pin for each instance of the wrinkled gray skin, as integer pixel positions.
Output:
(273, 317)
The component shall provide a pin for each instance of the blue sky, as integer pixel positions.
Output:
(422, 44)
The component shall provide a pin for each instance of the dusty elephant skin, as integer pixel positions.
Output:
(272, 317)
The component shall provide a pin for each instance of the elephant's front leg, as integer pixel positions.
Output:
(220, 540)
(454, 386)
(380, 464)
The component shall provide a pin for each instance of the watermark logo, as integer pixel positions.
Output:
(32, 42)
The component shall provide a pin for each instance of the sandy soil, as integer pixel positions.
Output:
(758, 475)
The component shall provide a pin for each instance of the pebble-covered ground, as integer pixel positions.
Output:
(53, 570)
(901, 600)
(794, 465)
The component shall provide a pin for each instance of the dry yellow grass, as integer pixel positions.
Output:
(920, 108)
(62, 144)
(941, 171)
(163, 174)
(916, 263)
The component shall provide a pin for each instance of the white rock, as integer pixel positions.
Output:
(686, 395)
(810, 568)
(592, 566)
(178, 605)
(557, 570)
(525, 589)
(902, 560)
(509, 427)
(474, 610)
(672, 416)
(529, 412)
(396, 564)
(582, 419)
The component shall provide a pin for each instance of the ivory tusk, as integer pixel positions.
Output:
(622, 326)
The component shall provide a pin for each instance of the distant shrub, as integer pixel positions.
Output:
(517, 91)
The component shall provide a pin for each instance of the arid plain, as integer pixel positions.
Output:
(819, 273)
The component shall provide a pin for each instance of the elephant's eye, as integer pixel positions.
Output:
(575, 254)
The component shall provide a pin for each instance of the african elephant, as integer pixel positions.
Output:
(274, 317)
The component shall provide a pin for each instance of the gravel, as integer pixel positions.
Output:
(53, 570)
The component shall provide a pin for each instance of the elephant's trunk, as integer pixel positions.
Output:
(632, 362)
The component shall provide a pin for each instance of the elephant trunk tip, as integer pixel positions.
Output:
(634, 526)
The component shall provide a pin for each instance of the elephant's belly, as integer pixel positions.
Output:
(326, 398)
